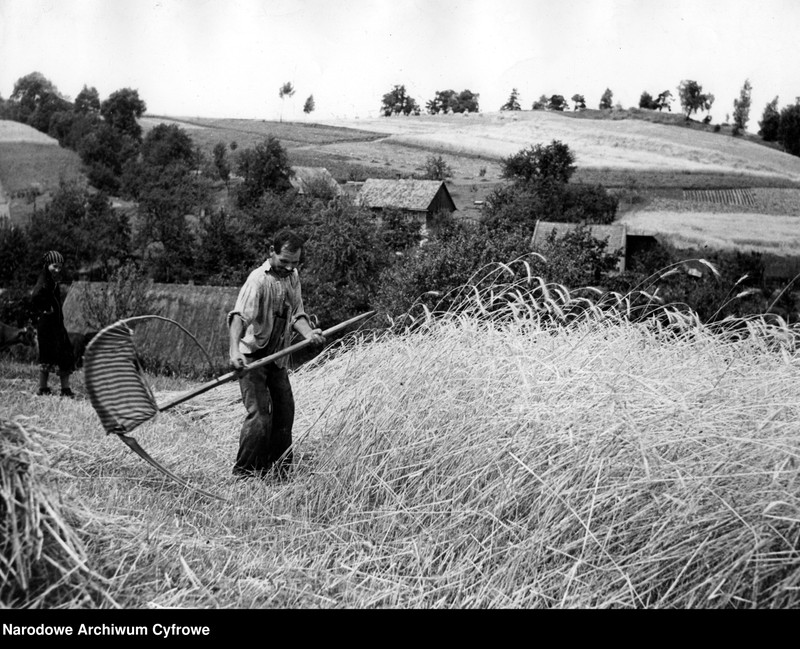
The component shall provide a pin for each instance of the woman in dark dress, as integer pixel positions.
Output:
(55, 349)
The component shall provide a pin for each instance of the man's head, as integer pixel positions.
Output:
(285, 252)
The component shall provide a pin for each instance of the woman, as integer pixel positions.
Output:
(55, 349)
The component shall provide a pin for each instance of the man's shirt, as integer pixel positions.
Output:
(262, 298)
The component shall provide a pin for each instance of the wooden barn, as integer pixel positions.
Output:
(616, 234)
(422, 200)
(314, 180)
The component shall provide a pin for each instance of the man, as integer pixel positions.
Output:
(268, 308)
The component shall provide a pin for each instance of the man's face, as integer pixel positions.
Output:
(283, 262)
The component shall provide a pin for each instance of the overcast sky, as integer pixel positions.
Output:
(228, 58)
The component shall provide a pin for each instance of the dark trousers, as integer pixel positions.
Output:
(267, 429)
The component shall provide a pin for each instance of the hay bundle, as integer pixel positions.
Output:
(42, 560)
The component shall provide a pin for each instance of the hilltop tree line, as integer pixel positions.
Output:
(779, 126)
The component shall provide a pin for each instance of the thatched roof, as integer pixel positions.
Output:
(412, 195)
(303, 176)
(616, 234)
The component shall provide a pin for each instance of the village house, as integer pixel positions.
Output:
(422, 200)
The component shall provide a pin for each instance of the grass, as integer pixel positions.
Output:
(530, 449)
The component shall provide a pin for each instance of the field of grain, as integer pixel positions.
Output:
(512, 460)
(631, 143)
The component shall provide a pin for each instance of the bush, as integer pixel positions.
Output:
(436, 168)
(125, 295)
(553, 162)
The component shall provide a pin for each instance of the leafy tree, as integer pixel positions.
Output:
(80, 224)
(443, 102)
(221, 162)
(263, 167)
(29, 94)
(87, 101)
(397, 102)
(770, 122)
(606, 101)
(540, 104)
(512, 103)
(789, 129)
(741, 109)
(167, 144)
(346, 253)
(446, 101)
(286, 90)
(71, 127)
(557, 102)
(692, 97)
(221, 258)
(309, 106)
(577, 259)
(554, 162)
(436, 168)
(579, 101)
(468, 102)
(104, 151)
(121, 110)
(646, 101)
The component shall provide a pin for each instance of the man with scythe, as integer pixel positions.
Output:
(269, 307)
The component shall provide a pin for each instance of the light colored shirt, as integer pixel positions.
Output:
(262, 298)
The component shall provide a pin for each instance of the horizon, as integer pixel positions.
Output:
(228, 60)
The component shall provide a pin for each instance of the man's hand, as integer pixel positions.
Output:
(237, 360)
(315, 336)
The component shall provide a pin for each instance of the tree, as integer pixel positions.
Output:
(450, 101)
(557, 102)
(346, 253)
(513, 101)
(579, 101)
(221, 162)
(770, 122)
(468, 101)
(789, 129)
(692, 97)
(263, 168)
(540, 104)
(121, 111)
(29, 94)
(167, 144)
(87, 101)
(606, 100)
(646, 101)
(554, 162)
(398, 102)
(286, 90)
(436, 168)
(741, 109)
(309, 106)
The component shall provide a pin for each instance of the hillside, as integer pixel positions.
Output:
(31, 166)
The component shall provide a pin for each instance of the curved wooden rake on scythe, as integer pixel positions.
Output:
(123, 400)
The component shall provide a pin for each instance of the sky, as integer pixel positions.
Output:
(229, 58)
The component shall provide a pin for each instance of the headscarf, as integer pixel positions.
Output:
(52, 257)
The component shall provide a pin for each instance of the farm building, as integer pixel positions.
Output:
(616, 234)
(422, 200)
(314, 180)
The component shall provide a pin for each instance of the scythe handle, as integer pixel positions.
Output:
(230, 376)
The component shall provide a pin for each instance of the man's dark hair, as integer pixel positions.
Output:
(286, 239)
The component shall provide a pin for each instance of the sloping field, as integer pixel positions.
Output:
(633, 144)
(15, 132)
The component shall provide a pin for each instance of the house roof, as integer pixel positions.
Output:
(304, 175)
(615, 233)
(413, 195)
